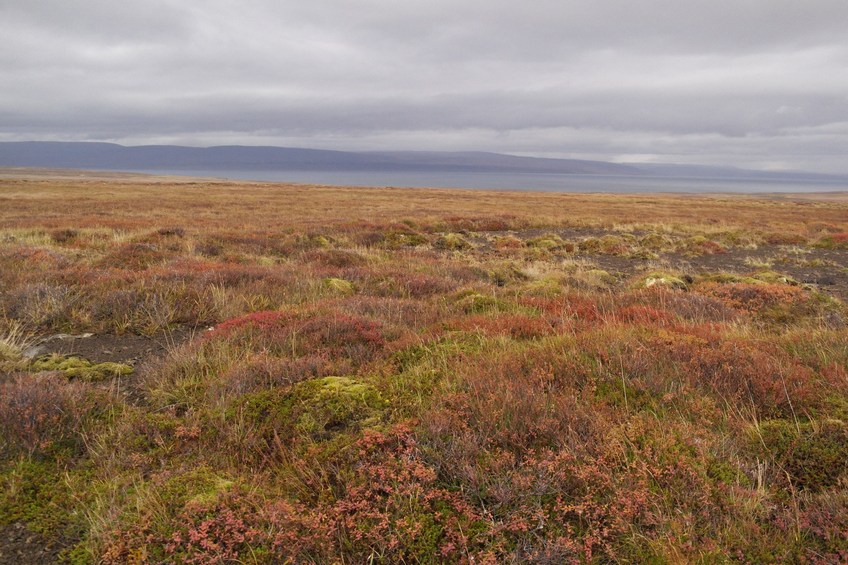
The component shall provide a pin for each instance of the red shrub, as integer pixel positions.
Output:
(646, 315)
(574, 307)
(133, 257)
(509, 242)
(393, 506)
(754, 298)
(337, 258)
(784, 238)
(387, 502)
(218, 531)
(403, 313)
(833, 241)
(691, 306)
(40, 412)
(263, 371)
(484, 223)
(216, 528)
(205, 273)
(744, 372)
(519, 326)
(836, 375)
(514, 402)
(825, 521)
(262, 321)
(340, 335)
(591, 502)
(300, 534)
(418, 285)
(38, 258)
(353, 338)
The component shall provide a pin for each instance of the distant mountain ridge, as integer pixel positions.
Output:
(237, 157)
(111, 156)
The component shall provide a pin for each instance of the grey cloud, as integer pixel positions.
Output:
(727, 81)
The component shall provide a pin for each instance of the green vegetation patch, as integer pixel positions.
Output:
(475, 303)
(600, 277)
(762, 277)
(608, 245)
(316, 408)
(502, 275)
(549, 242)
(396, 239)
(833, 241)
(339, 286)
(657, 242)
(36, 492)
(814, 454)
(661, 279)
(546, 286)
(78, 368)
(451, 242)
(700, 245)
(319, 241)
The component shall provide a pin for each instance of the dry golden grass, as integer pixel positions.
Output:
(124, 201)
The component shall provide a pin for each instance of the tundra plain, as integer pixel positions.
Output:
(202, 371)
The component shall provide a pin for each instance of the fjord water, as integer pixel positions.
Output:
(545, 182)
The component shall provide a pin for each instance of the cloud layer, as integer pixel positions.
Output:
(757, 83)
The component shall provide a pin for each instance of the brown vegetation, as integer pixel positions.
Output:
(387, 375)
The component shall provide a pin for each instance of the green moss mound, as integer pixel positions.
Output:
(339, 286)
(762, 277)
(548, 242)
(657, 242)
(699, 245)
(398, 239)
(472, 302)
(451, 242)
(78, 368)
(317, 408)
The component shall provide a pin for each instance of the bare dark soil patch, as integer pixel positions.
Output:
(20, 546)
(135, 350)
(826, 269)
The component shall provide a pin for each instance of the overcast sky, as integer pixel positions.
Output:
(755, 83)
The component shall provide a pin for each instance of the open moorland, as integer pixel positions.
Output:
(201, 371)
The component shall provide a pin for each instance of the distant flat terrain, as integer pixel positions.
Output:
(128, 199)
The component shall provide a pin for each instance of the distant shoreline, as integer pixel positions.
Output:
(514, 182)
